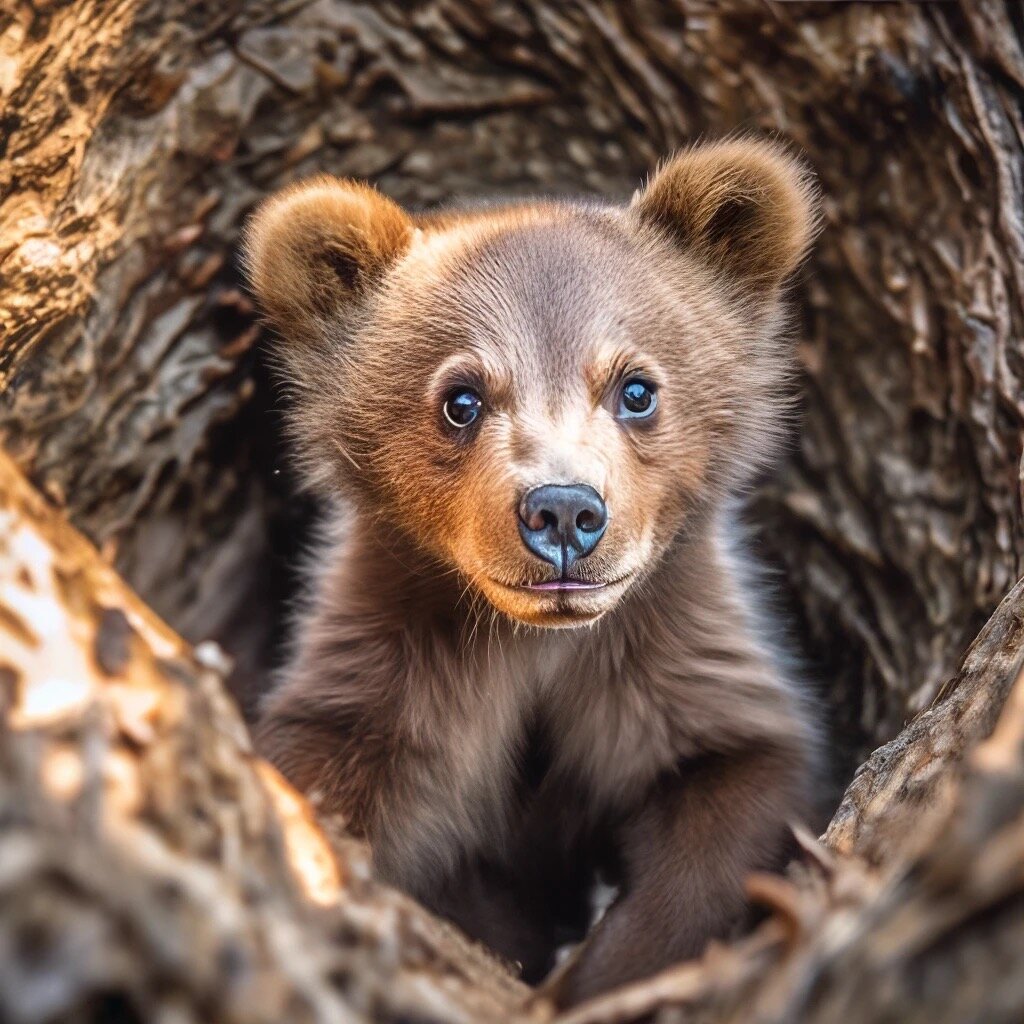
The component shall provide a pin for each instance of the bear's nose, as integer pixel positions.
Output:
(561, 523)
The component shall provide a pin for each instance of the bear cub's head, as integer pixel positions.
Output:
(543, 396)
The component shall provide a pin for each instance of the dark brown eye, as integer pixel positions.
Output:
(638, 399)
(462, 408)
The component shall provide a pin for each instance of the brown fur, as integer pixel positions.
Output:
(496, 767)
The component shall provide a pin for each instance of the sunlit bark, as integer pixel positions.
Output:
(134, 138)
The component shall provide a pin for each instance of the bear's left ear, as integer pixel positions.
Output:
(744, 205)
(315, 251)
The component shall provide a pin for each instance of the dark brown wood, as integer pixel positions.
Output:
(150, 866)
(136, 135)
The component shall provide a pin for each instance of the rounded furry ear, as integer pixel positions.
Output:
(314, 250)
(744, 205)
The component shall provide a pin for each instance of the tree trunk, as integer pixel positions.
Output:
(135, 136)
(152, 869)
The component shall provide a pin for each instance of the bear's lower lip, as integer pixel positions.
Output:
(550, 585)
(565, 589)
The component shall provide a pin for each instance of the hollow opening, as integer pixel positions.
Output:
(145, 405)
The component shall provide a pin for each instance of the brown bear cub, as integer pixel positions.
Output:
(531, 658)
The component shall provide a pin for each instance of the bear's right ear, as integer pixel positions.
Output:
(745, 206)
(317, 248)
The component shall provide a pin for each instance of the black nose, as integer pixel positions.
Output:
(562, 523)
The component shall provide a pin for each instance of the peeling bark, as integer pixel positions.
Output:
(910, 780)
(135, 137)
(150, 866)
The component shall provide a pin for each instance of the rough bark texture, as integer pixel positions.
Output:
(150, 867)
(134, 138)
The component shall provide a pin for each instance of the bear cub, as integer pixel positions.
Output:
(532, 657)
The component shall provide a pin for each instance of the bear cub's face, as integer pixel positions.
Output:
(540, 396)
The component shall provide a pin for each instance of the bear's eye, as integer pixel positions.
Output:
(462, 407)
(637, 400)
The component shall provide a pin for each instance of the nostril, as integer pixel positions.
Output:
(540, 519)
(587, 521)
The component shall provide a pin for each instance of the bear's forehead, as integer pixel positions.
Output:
(532, 281)
(541, 302)
(548, 257)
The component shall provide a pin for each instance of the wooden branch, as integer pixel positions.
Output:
(149, 864)
(903, 792)
(932, 929)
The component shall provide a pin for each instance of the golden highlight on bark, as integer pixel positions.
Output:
(146, 863)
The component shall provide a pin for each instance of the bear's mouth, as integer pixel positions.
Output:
(566, 589)
(564, 584)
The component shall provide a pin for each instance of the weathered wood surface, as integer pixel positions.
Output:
(137, 135)
(150, 867)
(908, 783)
(145, 864)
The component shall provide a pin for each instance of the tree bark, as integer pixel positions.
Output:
(150, 867)
(135, 137)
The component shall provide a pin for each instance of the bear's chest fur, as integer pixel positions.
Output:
(582, 737)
